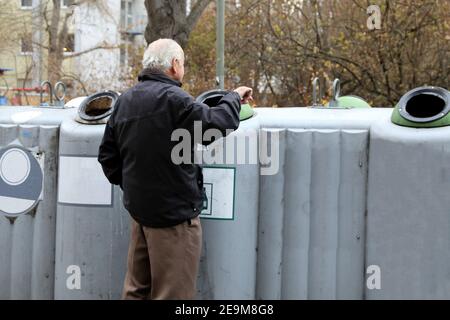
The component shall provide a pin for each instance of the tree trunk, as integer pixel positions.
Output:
(54, 61)
(167, 19)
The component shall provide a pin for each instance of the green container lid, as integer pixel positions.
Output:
(424, 107)
(337, 102)
(246, 112)
(351, 102)
(212, 98)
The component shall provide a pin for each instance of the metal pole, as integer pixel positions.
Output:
(220, 47)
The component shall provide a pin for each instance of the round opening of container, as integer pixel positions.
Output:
(424, 105)
(98, 106)
(213, 97)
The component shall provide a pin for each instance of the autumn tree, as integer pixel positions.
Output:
(294, 41)
(45, 32)
(279, 46)
(56, 25)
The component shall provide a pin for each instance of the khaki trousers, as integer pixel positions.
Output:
(163, 263)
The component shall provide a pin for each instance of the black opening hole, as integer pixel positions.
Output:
(98, 106)
(425, 106)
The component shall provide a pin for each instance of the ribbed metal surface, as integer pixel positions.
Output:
(27, 243)
(311, 222)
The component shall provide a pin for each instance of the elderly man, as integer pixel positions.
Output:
(164, 199)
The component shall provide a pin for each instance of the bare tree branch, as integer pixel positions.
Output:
(196, 12)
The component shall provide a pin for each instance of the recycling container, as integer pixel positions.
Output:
(230, 218)
(29, 139)
(408, 234)
(92, 225)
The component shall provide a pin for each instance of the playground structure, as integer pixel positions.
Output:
(32, 95)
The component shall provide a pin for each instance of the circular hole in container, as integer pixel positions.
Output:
(425, 106)
(98, 106)
(212, 98)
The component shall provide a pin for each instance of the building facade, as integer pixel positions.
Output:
(99, 36)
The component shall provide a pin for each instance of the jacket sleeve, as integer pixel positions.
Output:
(224, 116)
(109, 157)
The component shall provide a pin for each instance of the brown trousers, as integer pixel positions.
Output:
(163, 263)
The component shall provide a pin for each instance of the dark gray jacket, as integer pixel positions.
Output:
(136, 149)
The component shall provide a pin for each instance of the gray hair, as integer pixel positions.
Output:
(160, 53)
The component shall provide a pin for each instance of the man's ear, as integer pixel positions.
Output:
(177, 64)
(174, 65)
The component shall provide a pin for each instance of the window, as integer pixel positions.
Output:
(124, 49)
(123, 55)
(130, 14)
(126, 14)
(70, 43)
(26, 4)
(123, 13)
(26, 44)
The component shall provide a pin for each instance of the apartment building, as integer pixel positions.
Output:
(96, 50)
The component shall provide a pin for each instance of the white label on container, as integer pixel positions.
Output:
(219, 184)
(82, 182)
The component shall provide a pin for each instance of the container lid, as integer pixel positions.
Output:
(337, 102)
(213, 97)
(424, 107)
(352, 102)
(97, 107)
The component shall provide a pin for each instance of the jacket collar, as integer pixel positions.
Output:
(155, 75)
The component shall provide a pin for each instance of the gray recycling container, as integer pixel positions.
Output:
(92, 225)
(408, 222)
(230, 222)
(312, 211)
(230, 219)
(29, 138)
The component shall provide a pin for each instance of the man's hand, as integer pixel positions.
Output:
(245, 93)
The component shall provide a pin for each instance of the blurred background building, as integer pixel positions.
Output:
(87, 44)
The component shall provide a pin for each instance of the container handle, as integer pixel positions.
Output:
(50, 87)
(336, 91)
(316, 92)
(64, 89)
